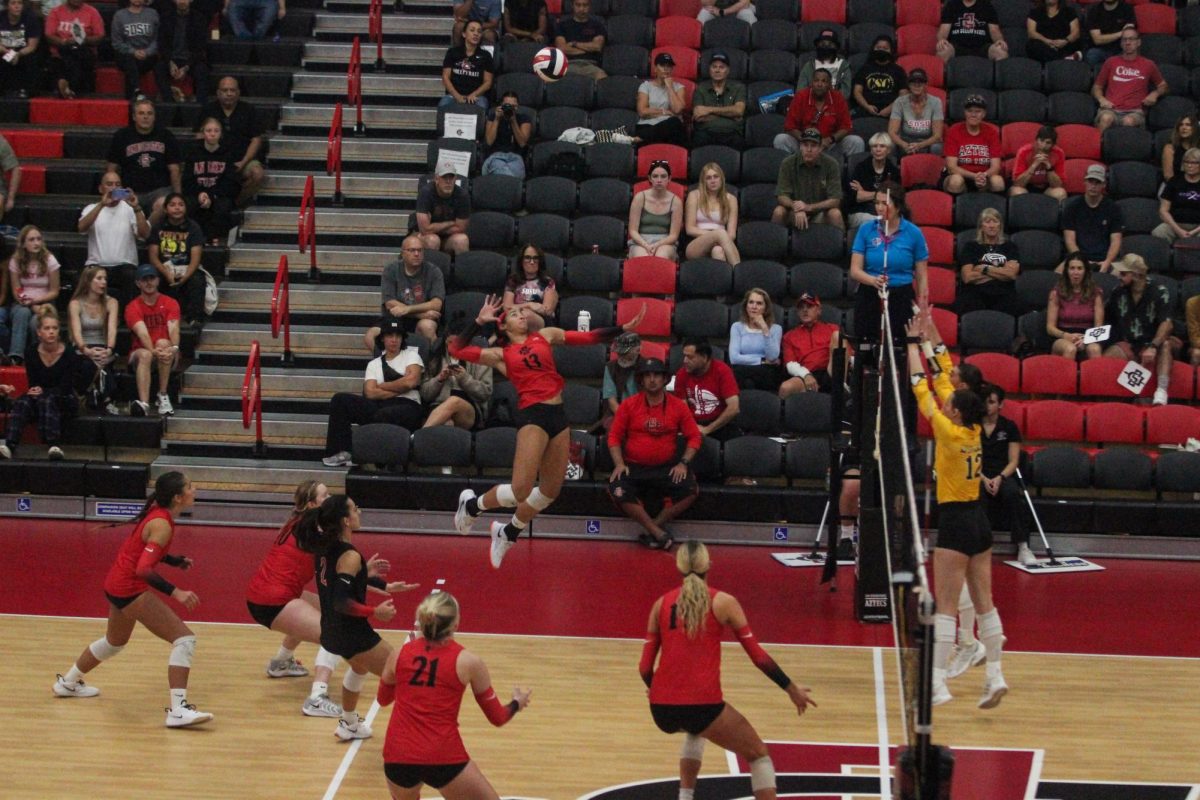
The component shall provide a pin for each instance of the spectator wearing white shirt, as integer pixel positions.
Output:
(113, 227)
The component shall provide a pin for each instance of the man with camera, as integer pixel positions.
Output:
(113, 226)
(507, 135)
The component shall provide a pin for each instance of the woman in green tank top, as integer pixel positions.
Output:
(655, 216)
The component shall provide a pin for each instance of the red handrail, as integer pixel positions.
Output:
(354, 85)
(281, 309)
(375, 31)
(252, 396)
(307, 226)
(333, 154)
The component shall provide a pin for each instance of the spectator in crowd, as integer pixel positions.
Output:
(1001, 442)
(660, 105)
(507, 134)
(251, 20)
(1127, 85)
(20, 35)
(973, 152)
(530, 287)
(183, 45)
(33, 274)
(485, 12)
(1076, 304)
(1038, 166)
(880, 81)
(174, 248)
(581, 37)
(655, 216)
(1192, 314)
(711, 218)
(146, 156)
(56, 374)
(9, 165)
(754, 343)
(620, 381)
(970, 28)
(809, 187)
(210, 181)
(242, 133)
(742, 9)
(644, 442)
(1105, 22)
(710, 390)
(1092, 222)
(526, 21)
(73, 30)
(821, 108)
(903, 271)
(918, 119)
(719, 107)
(413, 292)
(153, 319)
(1140, 314)
(988, 268)
(92, 319)
(454, 392)
(391, 394)
(1179, 201)
(1054, 32)
(828, 57)
(468, 69)
(866, 178)
(443, 212)
(1184, 136)
(807, 349)
(135, 45)
(113, 226)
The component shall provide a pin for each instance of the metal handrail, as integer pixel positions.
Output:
(281, 310)
(375, 31)
(307, 228)
(333, 154)
(354, 86)
(252, 397)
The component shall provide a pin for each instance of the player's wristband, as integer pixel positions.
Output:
(917, 378)
(377, 581)
(173, 560)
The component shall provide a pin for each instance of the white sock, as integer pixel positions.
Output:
(991, 633)
(284, 654)
(686, 794)
(966, 618)
(993, 669)
(178, 698)
(163, 394)
(73, 675)
(846, 532)
(350, 718)
(319, 688)
(943, 640)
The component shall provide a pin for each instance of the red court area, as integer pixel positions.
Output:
(605, 589)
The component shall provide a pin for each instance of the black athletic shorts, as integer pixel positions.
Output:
(655, 481)
(550, 417)
(691, 719)
(432, 775)
(264, 615)
(349, 637)
(121, 602)
(964, 528)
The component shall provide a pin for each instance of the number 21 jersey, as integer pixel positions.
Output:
(424, 724)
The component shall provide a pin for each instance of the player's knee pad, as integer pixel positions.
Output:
(762, 774)
(989, 625)
(945, 628)
(505, 496)
(693, 747)
(183, 650)
(103, 651)
(326, 659)
(353, 681)
(538, 500)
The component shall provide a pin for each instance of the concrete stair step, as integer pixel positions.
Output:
(389, 190)
(232, 337)
(359, 222)
(205, 427)
(220, 477)
(377, 88)
(395, 26)
(396, 57)
(355, 150)
(318, 117)
(361, 262)
(244, 296)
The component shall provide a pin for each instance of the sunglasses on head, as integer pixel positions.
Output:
(662, 162)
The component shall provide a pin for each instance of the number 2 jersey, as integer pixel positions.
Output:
(424, 724)
(689, 670)
(530, 367)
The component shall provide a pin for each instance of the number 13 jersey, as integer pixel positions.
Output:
(424, 724)
(530, 367)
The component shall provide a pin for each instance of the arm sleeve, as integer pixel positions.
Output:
(343, 599)
(466, 352)
(774, 340)
(172, 560)
(119, 43)
(151, 555)
(735, 344)
(598, 336)
(496, 714)
(941, 381)
(377, 581)
(925, 403)
(760, 658)
(649, 651)
(386, 693)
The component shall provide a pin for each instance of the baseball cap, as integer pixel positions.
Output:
(1131, 263)
(146, 271)
(1095, 173)
(719, 55)
(975, 101)
(918, 75)
(390, 325)
(811, 135)
(627, 342)
(830, 34)
(808, 299)
(664, 58)
(651, 365)
(445, 168)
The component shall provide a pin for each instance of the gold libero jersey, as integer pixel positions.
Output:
(958, 455)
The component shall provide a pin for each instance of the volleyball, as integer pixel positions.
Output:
(550, 64)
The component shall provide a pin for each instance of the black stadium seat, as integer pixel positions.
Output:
(571, 90)
(608, 196)
(551, 194)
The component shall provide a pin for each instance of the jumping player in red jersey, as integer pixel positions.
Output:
(343, 576)
(426, 678)
(130, 601)
(543, 434)
(685, 691)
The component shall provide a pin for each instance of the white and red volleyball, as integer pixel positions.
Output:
(550, 64)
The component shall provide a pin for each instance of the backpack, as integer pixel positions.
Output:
(567, 164)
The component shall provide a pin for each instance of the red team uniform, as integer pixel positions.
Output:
(123, 581)
(283, 574)
(530, 367)
(689, 671)
(424, 724)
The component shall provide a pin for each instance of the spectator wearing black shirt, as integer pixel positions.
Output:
(1092, 223)
(1139, 311)
(147, 157)
(879, 81)
(443, 212)
(183, 43)
(20, 35)
(507, 135)
(862, 184)
(1001, 442)
(970, 28)
(210, 180)
(526, 21)
(581, 37)
(1104, 24)
(1054, 32)
(467, 70)
(1179, 201)
(988, 269)
(243, 134)
(174, 248)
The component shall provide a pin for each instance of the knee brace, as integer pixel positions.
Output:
(353, 681)
(538, 500)
(505, 496)
(326, 659)
(944, 628)
(103, 651)
(182, 652)
(693, 747)
(762, 774)
(989, 625)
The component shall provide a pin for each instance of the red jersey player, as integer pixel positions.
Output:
(685, 690)
(426, 678)
(543, 434)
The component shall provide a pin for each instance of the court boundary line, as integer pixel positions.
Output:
(1035, 774)
(881, 723)
(347, 760)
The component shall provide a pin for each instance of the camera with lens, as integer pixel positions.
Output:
(507, 109)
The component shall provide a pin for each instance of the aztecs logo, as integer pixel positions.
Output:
(703, 402)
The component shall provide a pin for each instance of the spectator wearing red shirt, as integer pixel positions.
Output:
(822, 107)
(73, 30)
(973, 152)
(806, 349)
(709, 389)
(1038, 166)
(154, 320)
(643, 442)
(1122, 86)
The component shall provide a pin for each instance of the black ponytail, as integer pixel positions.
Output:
(319, 528)
(168, 486)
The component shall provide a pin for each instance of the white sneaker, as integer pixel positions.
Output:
(1025, 555)
(112, 410)
(55, 453)
(1160, 397)
(5, 452)
(359, 730)
(165, 409)
(321, 706)
(993, 692)
(941, 694)
(76, 689)
(966, 657)
(186, 715)
(139, 409)
(462, 520)
(342, 459)
(286, 668)
(500, 544)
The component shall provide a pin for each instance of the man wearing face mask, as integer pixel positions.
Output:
(879, 81)
(829, 58)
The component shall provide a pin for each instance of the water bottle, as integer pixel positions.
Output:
(584, 324)
(595, 249)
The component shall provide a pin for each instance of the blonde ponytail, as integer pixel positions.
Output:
(693, 604)
(437, 616)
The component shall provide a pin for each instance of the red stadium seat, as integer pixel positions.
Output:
(16, 378)
(998, 368)
(1073, 172)
(922, 169)
(1172, 424)
(941, 245)
(1015, 410)
(941, 285)
(1183, 378)
(1098, 378)
(35, 144)
(689, 89)
(1115, 423)
(109, 80)
(934, 67)
(679, 8)
(47, 111)
(108, 113)
(917, 12)
(648, 275)
(1155, 18)
(918, 38)
(1049, 375)
(947, 325)
(554, 7)
(676, 188)
(1079, 141)
(659, 350)
(681, 31)
(658, 315)
(33, 179)
(1016, 134)
(931, 207)
(823, 11)
(673, 154)
(687, 60)
(1054, 420)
